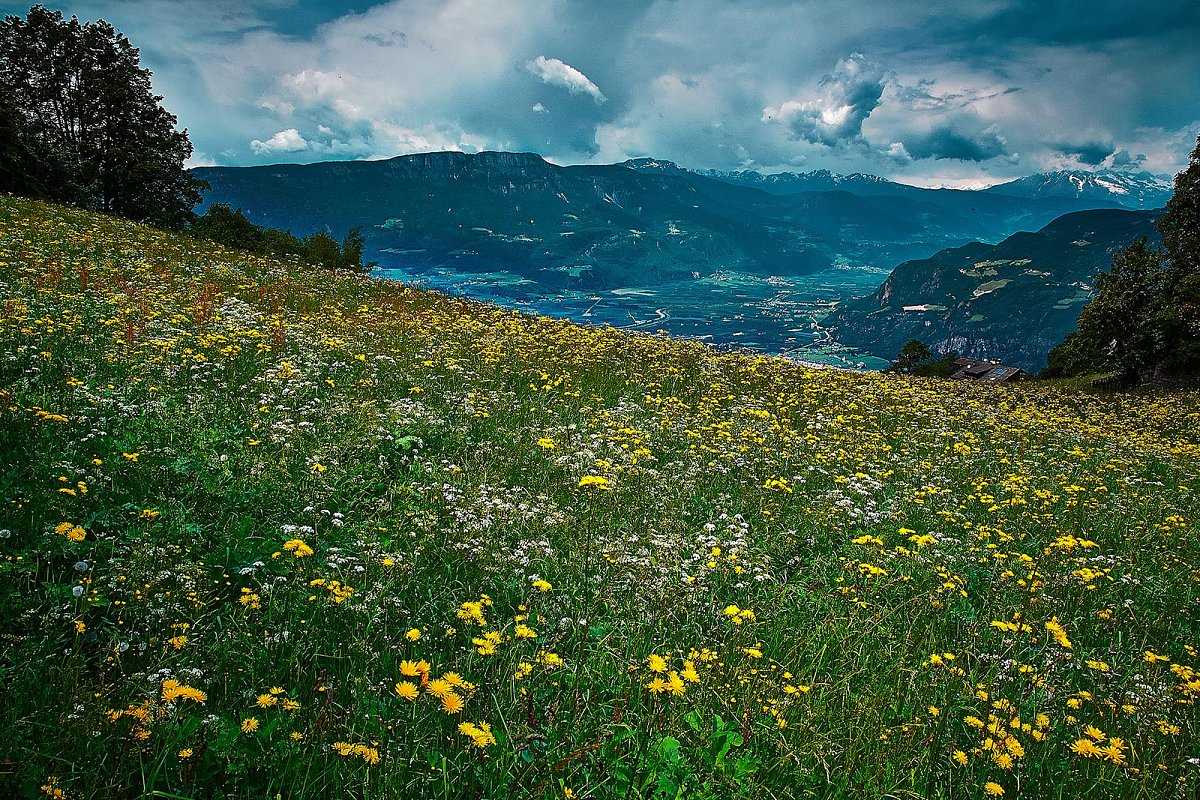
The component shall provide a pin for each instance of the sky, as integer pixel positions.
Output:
(929, 92)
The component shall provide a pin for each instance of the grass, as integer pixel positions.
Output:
(271, 532)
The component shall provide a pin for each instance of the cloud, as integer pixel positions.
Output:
(313, 84)
(955, 142)
(845, 98)
(563, 75)
(1091, 154)
(289, 141)
(1123, 159)
(391, 76)
(538, 108)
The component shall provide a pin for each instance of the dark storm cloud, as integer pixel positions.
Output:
(1090, 21)
(951, 143)
(930, 91)
(1092, 154)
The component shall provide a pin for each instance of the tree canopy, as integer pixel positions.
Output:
(231, 227)
(80, 123)
(1145, 316)
(917, 359)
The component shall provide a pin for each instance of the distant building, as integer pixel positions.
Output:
(972, 369)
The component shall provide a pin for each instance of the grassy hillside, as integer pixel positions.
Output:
(268, 532)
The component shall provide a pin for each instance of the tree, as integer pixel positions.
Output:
(1145, 315)
(229, 226)
(917, 359)
(90, 129)
(321, 248)
(1120, 322)
(352, 249)
(912, 356)
(1179, 318)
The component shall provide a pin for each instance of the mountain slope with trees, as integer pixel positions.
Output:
(1010, 302)
(1145, 317)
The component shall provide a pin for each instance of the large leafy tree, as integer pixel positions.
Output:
(84, 123)
(1179, 319)
(1146, 312)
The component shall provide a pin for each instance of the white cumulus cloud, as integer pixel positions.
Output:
(559, 73)
(844, 100)
(289, 141)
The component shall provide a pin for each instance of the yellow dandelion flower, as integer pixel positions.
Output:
(452, 703)
(657, 685)
(1113, 754)
(595, 482)
(480, 733)
(439, 688)
(298, 548)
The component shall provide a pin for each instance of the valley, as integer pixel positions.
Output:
(733, 259)
(779, 315)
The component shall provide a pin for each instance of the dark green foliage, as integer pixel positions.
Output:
(21, 172)
(917, 359)
(1180, 227)
(352, 248)
(1145, 316)
(1077, 355)
(912, 355)
(228, 226)
(80, 122)
(323, 249)
(231, 227)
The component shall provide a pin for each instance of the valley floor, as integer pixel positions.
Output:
(269, 532)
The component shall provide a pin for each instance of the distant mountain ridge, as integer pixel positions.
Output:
(1135, 190)
(632, 224)
(1009, 302)
(1140, 190)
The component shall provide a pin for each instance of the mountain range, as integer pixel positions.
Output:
(638, 223)
(1130, 189)
(646, 223)
(1104, 188)
(1009, 302)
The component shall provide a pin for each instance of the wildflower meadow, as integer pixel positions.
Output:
(269, 531)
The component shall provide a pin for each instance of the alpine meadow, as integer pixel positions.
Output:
(277, 532)
(555, 400)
